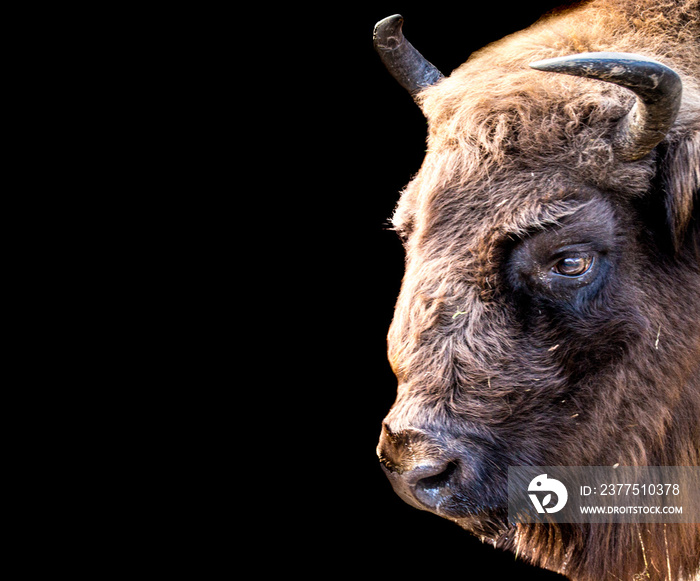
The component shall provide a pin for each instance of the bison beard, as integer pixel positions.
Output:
(549, 309)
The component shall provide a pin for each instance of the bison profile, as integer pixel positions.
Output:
(550, 310)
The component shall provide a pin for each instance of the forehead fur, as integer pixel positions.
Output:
(506, 143)
(485, 121)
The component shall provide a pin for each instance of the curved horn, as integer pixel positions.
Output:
(658, 89)
(404, 62)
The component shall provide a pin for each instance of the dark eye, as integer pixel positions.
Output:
(574, 265)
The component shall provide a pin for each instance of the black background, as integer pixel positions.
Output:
(369, 140)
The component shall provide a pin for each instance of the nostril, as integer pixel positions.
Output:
(431, 490)
(438, 480)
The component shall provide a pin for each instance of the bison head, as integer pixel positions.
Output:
(549, 309)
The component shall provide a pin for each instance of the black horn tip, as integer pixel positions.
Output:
(631, 70)
(387, 32)
(403, 61)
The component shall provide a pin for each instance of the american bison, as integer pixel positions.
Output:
(549, 313)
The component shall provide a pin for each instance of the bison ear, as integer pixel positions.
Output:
(680, 178)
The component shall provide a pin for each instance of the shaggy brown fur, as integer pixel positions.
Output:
(494, 366)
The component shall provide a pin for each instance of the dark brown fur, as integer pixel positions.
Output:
(513, 154)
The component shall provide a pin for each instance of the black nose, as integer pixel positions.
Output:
(418, 470)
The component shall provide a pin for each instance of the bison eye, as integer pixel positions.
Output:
(574, 265)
